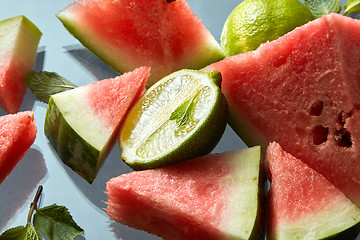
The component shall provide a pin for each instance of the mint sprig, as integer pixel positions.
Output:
(56, 222)
(44, 84)
(184, 112)
(323, 7)
(53, 221)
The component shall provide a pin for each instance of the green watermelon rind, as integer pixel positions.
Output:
(65, 140)
(348, 217)
(350, 233)
(247, 162)
(215, 124)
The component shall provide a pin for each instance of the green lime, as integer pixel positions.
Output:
(254, 22)
(182, 116)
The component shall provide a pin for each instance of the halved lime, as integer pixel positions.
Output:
(181, 117)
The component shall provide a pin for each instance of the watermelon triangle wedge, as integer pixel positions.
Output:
(82, 124)
(164, 35)
(303, 204)
(17, 134)
(19, 39)
(304, 86)
(216, 196)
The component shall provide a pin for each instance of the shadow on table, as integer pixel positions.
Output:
(127, 233)
(90, 62)
(112, 167)
(19, 186)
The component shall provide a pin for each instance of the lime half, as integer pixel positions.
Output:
(182, 116)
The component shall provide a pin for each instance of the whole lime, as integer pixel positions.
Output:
(254, 22)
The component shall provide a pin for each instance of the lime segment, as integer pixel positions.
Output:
(180, 117)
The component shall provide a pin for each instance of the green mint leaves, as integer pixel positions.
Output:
(44, 84)
(351, 6)
(53, 221)
(323, 7)
(184, 112)
(56, 223)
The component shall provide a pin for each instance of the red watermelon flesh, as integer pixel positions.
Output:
(131, 33)
(303, 204)
(19, 39)
(211, 197)
(304, 87)
(17, 134)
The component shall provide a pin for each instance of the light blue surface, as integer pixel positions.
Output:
(61, 53)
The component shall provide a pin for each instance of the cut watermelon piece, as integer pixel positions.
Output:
(17, 134)
(130, 33)
(82, 124)
(304, 87)
(19, 39)
(211, 197)
(303, 204)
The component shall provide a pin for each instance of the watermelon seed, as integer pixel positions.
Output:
(170, 1)
(316, 108)
(320, 134)
(343, 138)
(343, 117)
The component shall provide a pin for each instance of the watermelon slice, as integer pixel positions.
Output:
(19, 39)
(303, 204)
(305, 87)
(17, 134)
(82, 124)
(130, 33)
(211, 197)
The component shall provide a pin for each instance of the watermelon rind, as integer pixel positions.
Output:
(19, 39)
(231, 196)
(119, 58)
(77, 153)
(338, 223)
(200, 141)
(351, 233)
(249, 188)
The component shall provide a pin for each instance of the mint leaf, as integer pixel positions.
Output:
(44, 84)
(14, 233)
(21, 233)
(184, 112)
(323, 7)
(351, 6)
(56, 223)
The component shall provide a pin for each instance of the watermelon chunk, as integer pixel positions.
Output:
(130, 33)
(17, 134)
(82, 124)
(303, 204)
(305, 86)
(211, 197)
(19, 39)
